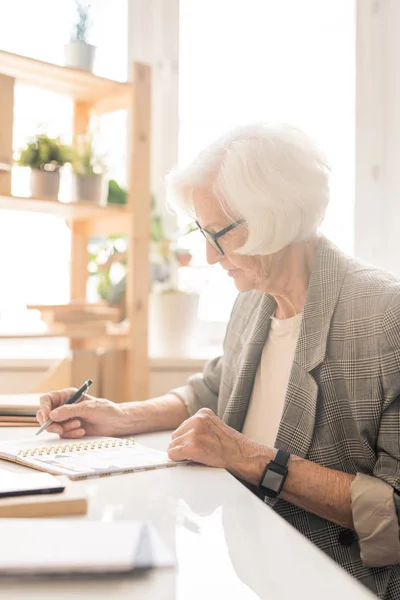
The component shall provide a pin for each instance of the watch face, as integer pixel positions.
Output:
(272, 480)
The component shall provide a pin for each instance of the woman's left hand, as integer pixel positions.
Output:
(204, 438)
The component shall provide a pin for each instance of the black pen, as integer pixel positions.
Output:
(74, 399)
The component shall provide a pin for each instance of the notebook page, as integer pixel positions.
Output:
(88, 457)
(71, 546)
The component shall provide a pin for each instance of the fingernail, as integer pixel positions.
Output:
(53, 414)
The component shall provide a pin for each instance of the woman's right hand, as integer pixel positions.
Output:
(90, 416)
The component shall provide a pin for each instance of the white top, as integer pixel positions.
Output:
(272, 377)
(227, 543)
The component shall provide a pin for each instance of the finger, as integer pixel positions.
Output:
(189, 452)
(51, 400)
(69, 411)
(179, 440)
(75, 433)
(182, 445)
(68, 426)
(39, 417)
(195, 423)
(55, 428)
(188, 447)
(186, 427)
(178, 453)
(45, 407)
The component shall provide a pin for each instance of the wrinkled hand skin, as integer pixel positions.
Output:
(205, 439)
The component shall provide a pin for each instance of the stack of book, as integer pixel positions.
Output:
(78, 316)
(19, 410)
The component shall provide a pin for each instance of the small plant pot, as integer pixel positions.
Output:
(172, 323)
(80, 55)
(89, 188)
(45, 184)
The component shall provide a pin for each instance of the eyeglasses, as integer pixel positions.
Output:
(212, 238)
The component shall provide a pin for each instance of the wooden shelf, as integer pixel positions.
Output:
(83, 86)
(113, 217)
(116, 340)
(92, 95)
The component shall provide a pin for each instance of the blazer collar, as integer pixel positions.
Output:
(252, 342)
(326, 281)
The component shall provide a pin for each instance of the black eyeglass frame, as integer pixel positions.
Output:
(213, 237)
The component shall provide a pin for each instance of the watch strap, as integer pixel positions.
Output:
(277, 465)
(282, 458)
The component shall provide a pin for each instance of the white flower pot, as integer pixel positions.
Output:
(80, 55)
(89, 188)
(172, 323)
(45, 184)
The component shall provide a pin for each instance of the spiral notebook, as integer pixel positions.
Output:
(90, 457)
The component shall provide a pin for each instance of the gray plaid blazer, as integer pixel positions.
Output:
(342, 404)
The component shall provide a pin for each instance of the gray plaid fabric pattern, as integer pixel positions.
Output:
(342, 407)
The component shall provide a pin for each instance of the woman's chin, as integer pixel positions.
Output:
(241, 283)
(243, 287)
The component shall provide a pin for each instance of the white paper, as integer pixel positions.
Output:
(22, 482)
(44, 546)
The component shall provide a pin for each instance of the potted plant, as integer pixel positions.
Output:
(88, 169)
(172, 311)
(45, 156)
(107, 264)
(79, 54)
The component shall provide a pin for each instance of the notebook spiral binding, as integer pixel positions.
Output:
(76, 447)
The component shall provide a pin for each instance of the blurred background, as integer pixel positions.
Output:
(327, 66)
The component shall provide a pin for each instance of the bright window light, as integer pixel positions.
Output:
(263, 60)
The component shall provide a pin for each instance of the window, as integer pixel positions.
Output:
(255, 60)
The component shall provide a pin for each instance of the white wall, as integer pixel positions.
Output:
(377, 198)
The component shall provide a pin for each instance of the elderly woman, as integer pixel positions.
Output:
(303, 406)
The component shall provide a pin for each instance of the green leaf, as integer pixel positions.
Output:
(42, 152)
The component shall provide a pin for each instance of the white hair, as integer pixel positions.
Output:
(273, 176)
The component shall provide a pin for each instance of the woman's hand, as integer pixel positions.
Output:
(206, 439)
(90, 416)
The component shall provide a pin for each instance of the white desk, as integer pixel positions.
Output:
(228, 544)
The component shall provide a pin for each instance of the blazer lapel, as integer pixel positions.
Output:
(296, 429)
(253, 340)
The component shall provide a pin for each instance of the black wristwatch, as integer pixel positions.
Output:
(275, 473)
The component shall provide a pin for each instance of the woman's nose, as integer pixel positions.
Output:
(212, 255)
